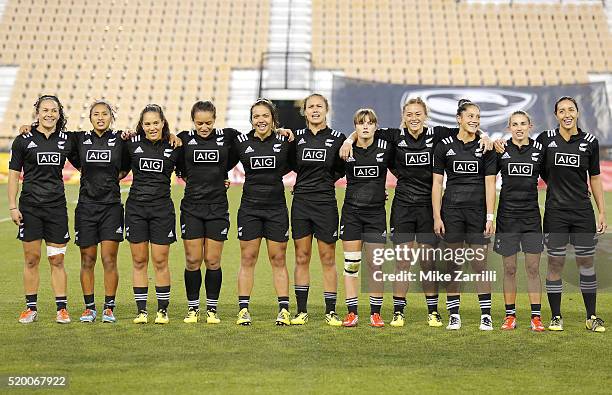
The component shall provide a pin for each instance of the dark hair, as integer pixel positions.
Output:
(61, 121)
(562, 98)
(203, 106)
(270, 106)
(310, 97)
(104, 103)
(157, 109)
(463, 104)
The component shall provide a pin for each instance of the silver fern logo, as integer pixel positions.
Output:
(496, 105)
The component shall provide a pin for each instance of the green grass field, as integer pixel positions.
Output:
(263, 358)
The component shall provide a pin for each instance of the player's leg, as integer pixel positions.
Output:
(352, 265)
(31, 280)
(109, 250)
(556, 232)
(249, 252)
(507, 244)
(277, 254)
(159, 259)
(403, 228)
(213, 278)
(534, 289)
(455, 235)
(301, 276)
(509, 263)
(88, 263)
(56, 235)
(476, 221)
(194, 256)
(140, 278)
(327, 255)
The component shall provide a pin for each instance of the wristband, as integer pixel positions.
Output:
(490, 217)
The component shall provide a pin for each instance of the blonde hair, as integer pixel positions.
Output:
(414, 100)
(519, 112)
(362, 113)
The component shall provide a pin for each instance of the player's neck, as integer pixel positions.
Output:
(100, 132)
(567, 133)
(364, 143)
(264, 135)
(316, 128)
(415, 133)
(465, 136)
(46, 131)
(521, 142)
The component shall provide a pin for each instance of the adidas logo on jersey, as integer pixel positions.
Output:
(249, 150)
(224, 231)
(350, 159)
(119, 230)
(552, 145)
(88, 142)
(32, 145)
(329, 142)
(171, 234)
(302, 141)
(505, 156)
(138, 150)
(402, 144)
(276, 148)
(192, 142)
(450, 152)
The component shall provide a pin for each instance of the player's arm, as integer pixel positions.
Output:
(491, 168)
(436, 188)
(126, 162)
(15, 166)
(597, 187)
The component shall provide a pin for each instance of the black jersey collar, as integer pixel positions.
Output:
(573, 137)
(52, 135)
(252, 136)
(323, 132)
(523, 147)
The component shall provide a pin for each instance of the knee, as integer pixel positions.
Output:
(88, 262)
(402, 265)
(510, 270)
(277, 260)
(160, 264)
(328, 260)
(32, 261)
(212, 263)
(248, 260)
(109, 262)
(302, 258)
(139, 263)
(57, 261)
(193, 262)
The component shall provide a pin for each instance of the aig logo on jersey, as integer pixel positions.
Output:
(48, 158)
(465, 166)
(205, 156)
(568, 160)
(520, 169)
(365, 171)
(98, 156)
(314, 154)
(263, 162)
(417, 158)
(152, 165)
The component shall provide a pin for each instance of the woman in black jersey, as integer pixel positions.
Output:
(204, 208)
(314, 212)
(149, 211)
(41, 213)
(263, 210)
(466, 213)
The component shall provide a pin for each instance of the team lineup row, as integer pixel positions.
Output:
(567, 158)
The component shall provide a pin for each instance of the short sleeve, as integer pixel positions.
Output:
(594, 169)
(439, 160)
(17, 154)
(490, 163)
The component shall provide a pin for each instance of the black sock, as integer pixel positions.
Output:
(140, 296)
(588, 287)
(301, 296)
(109, 302)
(193, 283)
(61, 302)
(351, 304)
(536, 310)
(398, 304)
(283, 303)
(330, 301)
(511, 310)
(375, 304)
(553, 290)
(163, 296)
(452, 303)
(484, 300)
(212, 282)
(31, 301)
(89, 302)
(243, 302)
(432, 303)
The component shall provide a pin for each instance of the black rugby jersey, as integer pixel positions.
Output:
(520, 170)
(42, 161)
(205, 164)
(265, 163)
(366, 174)
(316, 160)
(466, 167)
(413, 161)
(152, 165)
(567, 167)
(100, 160)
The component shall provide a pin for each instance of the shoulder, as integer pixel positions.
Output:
(382, 144)
(336, 134)
(184, 134)
(537, 145)
(282, 139)
(588, 137)
(300, 132)
(447, 141)
(242, 137)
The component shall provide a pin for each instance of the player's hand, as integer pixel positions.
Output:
(287, 133)
(500, 146)
(601, 224)
(489, 229)
(175, 141)
(128, 134)
(24, 129)
(227, 183)
(346, 151)
(439, 227)
(16, 217)
(486, 144)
